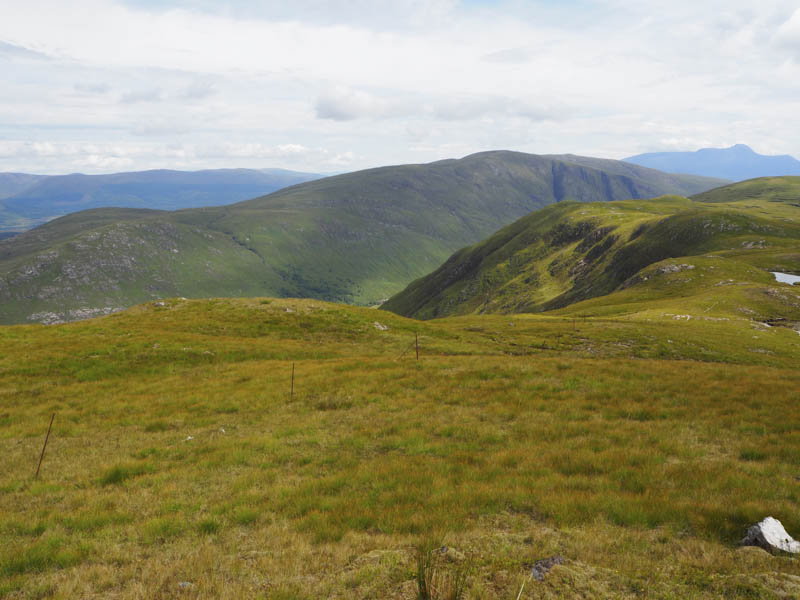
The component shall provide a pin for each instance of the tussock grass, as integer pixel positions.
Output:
(120, 473)
(435, 581)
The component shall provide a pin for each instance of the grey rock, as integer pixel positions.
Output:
(674, 268)
(542, 567)
(770, 535)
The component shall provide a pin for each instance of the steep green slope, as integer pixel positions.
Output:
(357, 238)
(571, 252)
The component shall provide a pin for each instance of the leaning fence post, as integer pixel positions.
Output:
(47, 437)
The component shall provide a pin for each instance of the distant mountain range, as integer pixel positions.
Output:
(29, 200)
(736, 163)
(358, 237)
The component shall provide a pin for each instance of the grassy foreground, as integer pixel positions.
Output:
(180, 465)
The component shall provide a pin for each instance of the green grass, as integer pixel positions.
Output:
(46, 553)
(120, 473)
(639, 448)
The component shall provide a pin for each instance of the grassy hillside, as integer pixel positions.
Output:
(181, 464)
(571, 252)
(356, 238)
(29, 200)
(773, 189)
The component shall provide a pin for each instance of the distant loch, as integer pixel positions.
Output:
(786, 277)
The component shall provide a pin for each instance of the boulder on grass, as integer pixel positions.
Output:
(770, 535)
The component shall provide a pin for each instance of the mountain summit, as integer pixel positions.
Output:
(736, 163)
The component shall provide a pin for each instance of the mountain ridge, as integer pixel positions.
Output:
(30, 200)
(568, 253)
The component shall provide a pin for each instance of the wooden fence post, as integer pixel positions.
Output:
(47, 437)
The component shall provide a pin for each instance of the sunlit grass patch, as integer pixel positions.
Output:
(162, 529)
(245, 516)
(46, 553)
(93, 520)
(119, 473)
(208, 526)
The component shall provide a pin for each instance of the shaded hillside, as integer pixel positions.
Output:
(28, 200)
(571, 252)
(736, 163)
(356, 238)
(14, 183)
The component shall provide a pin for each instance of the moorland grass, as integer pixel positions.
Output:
(638, 449)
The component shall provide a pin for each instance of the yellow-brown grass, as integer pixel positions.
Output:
(178, 457)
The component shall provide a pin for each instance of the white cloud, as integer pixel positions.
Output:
(58, 157)
(788, 35)
(198, 90)
(18, 52)
(509, 55)
(345, 104)
(134, 96)
(385, 14)
(376, 82)
(92, 88)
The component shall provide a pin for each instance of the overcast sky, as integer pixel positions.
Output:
(337, 85)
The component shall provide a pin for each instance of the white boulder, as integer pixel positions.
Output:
(770, 535)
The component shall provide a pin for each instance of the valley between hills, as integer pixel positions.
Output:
(608, 383)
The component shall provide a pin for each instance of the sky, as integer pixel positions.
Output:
(100, 86)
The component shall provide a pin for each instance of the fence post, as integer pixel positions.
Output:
(47, 437)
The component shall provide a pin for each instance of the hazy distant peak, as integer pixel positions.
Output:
(737, 163)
